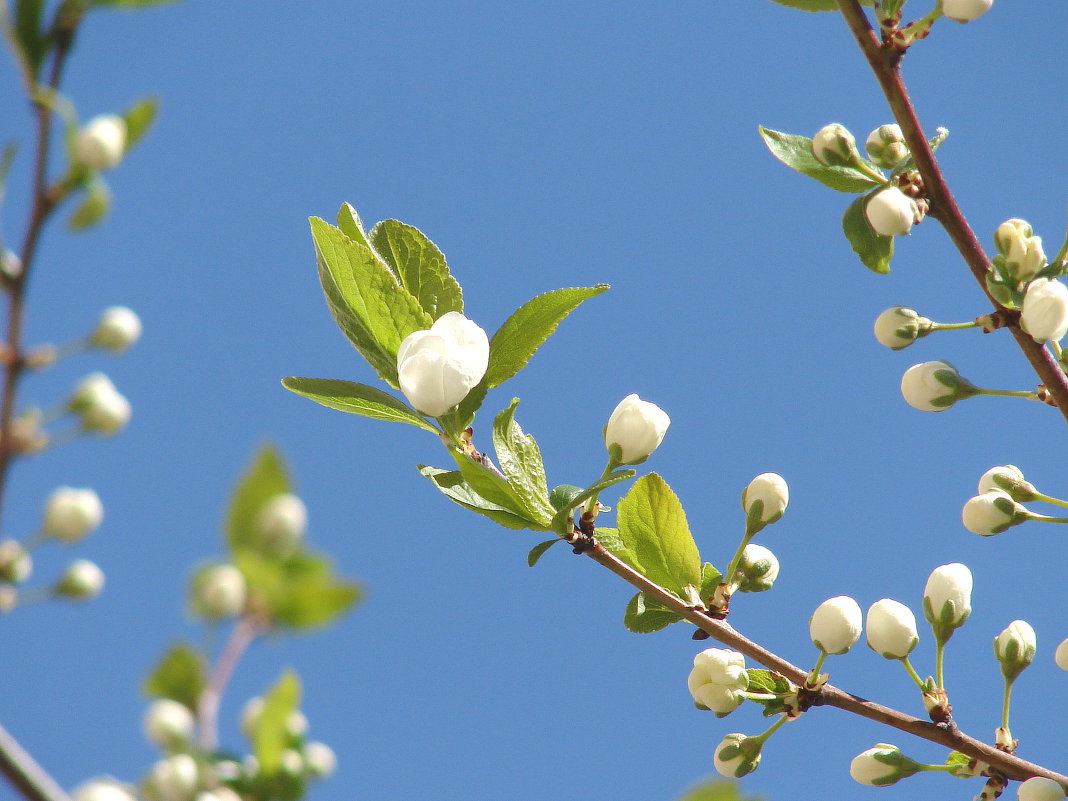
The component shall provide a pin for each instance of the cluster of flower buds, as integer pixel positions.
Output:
(100, 407)
(637, 427)
(965, 10)
(101, 142)
(438, 367)
(886, 146)
(998, 504)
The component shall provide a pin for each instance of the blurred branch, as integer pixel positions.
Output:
(245, 630)
(884, 61)
(24, 774)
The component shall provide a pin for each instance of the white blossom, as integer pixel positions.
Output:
(220, 793)
(16, 564)
(891, 629)
(81, 581)
(1021, 249)
(886, 145)
(101, 142)
(965, 10)
(1044, 313)
(167, 723)
(320, 761)
(947, 598)
(282, 522)
(117, 329)
(733, 759)
(891, 212)
(218, 591)
(835, 625)
(717, 680)
(881, 765)
(991, 513)
(436, 368)
(770, 491)
(103, 788)
(834, 145)
(899, 326)
(637, 427)
(70, 514)
(100, 407)
(933, 386)
(175, 778)
(1015, 648)
(1039, 788)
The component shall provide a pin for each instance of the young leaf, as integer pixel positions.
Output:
(180, 675)
(453, 486)
(347, 396)
(873, 249)
(264, 478)
(644, 615)
(368, 305)
(538, 550)
(562, 495)
(300, 591)
(498, 490)
(520, 461)
(563, 514)
(530, 325)
(138, 118)
(270, 737)
(93, 208)
(765, 681)
(653, 525)
(420, 266)
(796, 152)
(351, 225)
(710, 579)
(31, 40)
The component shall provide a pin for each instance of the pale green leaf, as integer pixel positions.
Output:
(180, 674)
(539, 550)
(139, 118)
(28, 33)
(270, 737)
(716, 790)
(264, 478)
(352, 226)
(564, 514)
(347, 396)
(653, 526)
(495, 488)
(873, 249)
(93, 208)
(644, 615)
(796, 152)
(420, 266)
(452, 485)
(298, 591)
(520, 461)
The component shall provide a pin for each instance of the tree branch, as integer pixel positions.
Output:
(24, 774)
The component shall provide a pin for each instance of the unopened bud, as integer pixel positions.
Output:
(947, 599)
(737, 755)
(899, 326)
(882, 765)
(1044, 312)
(282, 522)
(101, 142)
(886, 145)
(100, 407)
(834, 146)
(168, 724)
(15, 562)
(1014, 648)
(835, 625)
(757, 569)
(891, 212)
(717, 680)
(965, 10)
(217, 592)
(175, 778)
(991, 513)
(320, 762)
(1039, 788)
(102, 789)
(117, 329)
(1020, 248)
(10, 264)
(764, 500)
(891, 629)
(9, 598)
(70, 514)
(81, 581)
(637, 427)
(934, 386)
(1060, 656)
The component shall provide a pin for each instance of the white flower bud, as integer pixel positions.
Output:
(637, 427)
(891, 212)
(834, 146)
(101, 142)
(886, 145)
(764, 500)
(1010, 479)
(1039, 788)
(1014, 648)
(10, 264)
(175, 778)
(737, 755)
(1021, 249)
(117, 329)
(217, 592)
(168, 724)
(320, 762)
(991, 513)
(15, 562)
(965, 10)
(221, 793)
(882, 765)
(100, 407)
(1060, 656)
(296, 723)
(81, 581)
(1044, 313)
(899, 326)
(757, 569)
(934, 386)
(717, 680)
(947, 599)
(835, 625)
(891, 629)
(282, 522)
(103, 788)
(292, 762)
(70, 514)
(436, 368)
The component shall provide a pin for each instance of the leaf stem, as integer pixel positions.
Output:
(905, 663)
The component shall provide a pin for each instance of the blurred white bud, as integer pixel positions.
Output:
(891, 629)
(965, 10)
(934, 386)
(737, 755)
(881, 765)
(320, 762)
(1039, 788)
(899, 326)
(101, 142)
(296, 723)
(103, 788)
(1044, 313)
(436, 368)
(168, 724)
(81, 581)
(835, 625)
(717, 680)
(947, 598)
(10, 264)
(70, 514)
(175, 778)
(757, 569)
(15, 562)
(891, 212)
(834, 146)
(292, 762)
(218, 591)
(991, 513)
(1010, 479)
(1060, 656)
(100, 407)
(637, 427)
(886, 145)
(282, 522)
(1014, 648)
(764, 500)
(221, 793)
(1021, 249)
(117, 329)
(9, 598)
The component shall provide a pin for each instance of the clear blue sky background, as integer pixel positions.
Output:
(540, 145)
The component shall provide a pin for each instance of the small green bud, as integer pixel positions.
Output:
(886, 145)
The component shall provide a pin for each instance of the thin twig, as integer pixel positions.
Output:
(245, 630)
(24, 774)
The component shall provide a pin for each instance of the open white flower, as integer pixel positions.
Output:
(717, 680)
(965, 10)
(1044, 314)
(436, 368)
(637, 427)
(891, 629)
(835, 625)
(891, 212)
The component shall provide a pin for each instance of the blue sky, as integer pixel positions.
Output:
(539, 145)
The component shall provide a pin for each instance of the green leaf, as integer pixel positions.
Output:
(530, 325)
(563, 514)
(796, 152)
(710, 579)
(264, 478)
(562, 495)
(716, 790)
(270, 737)
(139, 118)
(873, 249)
(452, 484)
(6, 157)
(93, 208)
(539, 550)
(300, 591)
(30, 38)
(765, 681)
(653, 526)
(465, 410)
(520, 461)
(367, 303)
(347, 396)
(644, 615)
(180, 674)
(495, 488)
(420, 266)
(351, 225)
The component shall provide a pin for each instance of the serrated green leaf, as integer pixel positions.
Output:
(139, 118)
(453, 486)
(28, 34)
(652, 524)
(352, 226)
(563, 514)
(270, 737)
(520, 461)
(529, 326)
(347, 396)
(265, 477)
(180, 674)
(796, 152)
(420, 265)
(369, 306)
(93, 208)
(716, 790)
(539, 550)
(495, 488)
(299, 591)
(614, 544)
(873, 249)
(644, 615)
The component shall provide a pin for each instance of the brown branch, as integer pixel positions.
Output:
(24, 774)
(884, 62)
